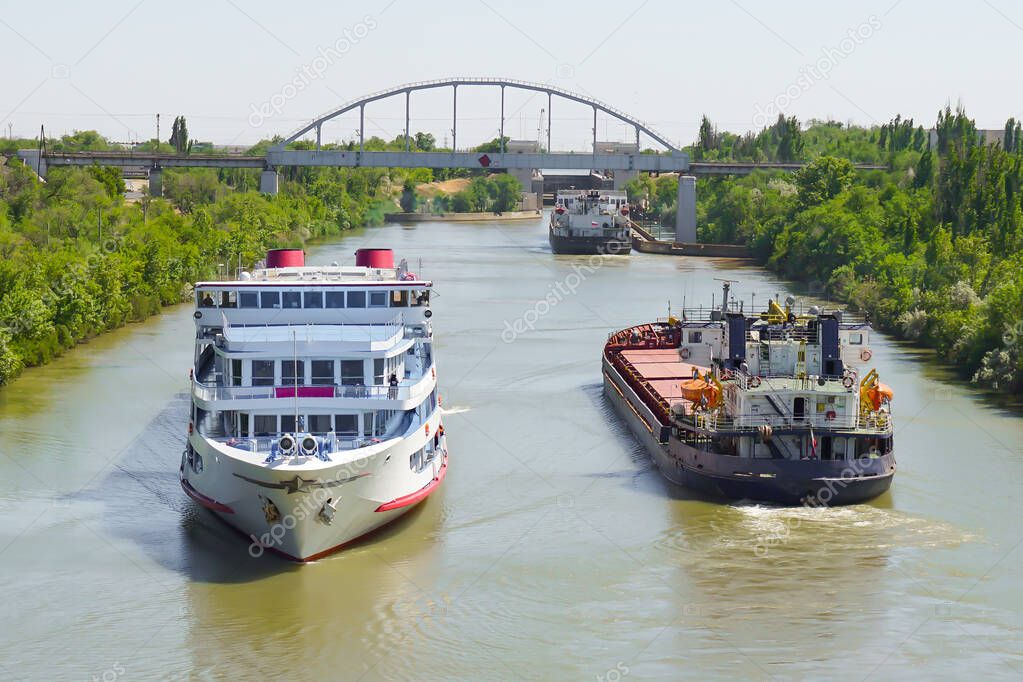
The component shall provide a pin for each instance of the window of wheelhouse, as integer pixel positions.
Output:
(228, 299)
(293, 372)
(264, 424)
(346, 424)
(269, 299)
(356, 299)
(420, 298)
(399, 298)
(248, 299)
(262, 372)
(322, 372)
(292, 299)
(314, 299)
(320, 424)
(378, 299)
(335, 299)
(351, 373)
(206, 299)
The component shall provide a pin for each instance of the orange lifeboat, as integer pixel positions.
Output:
(878, 393)
(695, 390)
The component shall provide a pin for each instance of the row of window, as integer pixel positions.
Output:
(320, 372)
(246, 425)
(273, 299)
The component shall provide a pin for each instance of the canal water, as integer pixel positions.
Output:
(552, 551)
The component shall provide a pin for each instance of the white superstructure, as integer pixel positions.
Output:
(314, 414)
(591, 213)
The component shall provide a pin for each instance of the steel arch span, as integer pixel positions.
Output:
(454, 83)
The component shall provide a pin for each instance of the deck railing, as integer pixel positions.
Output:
(212, 392)
(878, 422)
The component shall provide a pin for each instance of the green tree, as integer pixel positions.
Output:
(179, 135)
(823, 179)
(408, 200)
(425, 142)
(110, 178)
(506, 193)
(790, 139)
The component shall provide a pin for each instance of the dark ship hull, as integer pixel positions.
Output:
(609, 246)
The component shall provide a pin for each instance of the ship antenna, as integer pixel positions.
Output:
(294, 372)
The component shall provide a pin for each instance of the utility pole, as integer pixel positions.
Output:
(158, 132)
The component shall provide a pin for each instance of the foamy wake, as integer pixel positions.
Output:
(454, 410)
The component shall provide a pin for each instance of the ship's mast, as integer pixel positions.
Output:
(294, 372)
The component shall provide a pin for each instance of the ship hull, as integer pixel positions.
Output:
(724, 477)
(608, 246)
(364, 491)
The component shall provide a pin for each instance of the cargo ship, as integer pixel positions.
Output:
(590, 222)
(314, 416)
(773, 407)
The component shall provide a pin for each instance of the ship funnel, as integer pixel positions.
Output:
(375, 258)
(285, 258)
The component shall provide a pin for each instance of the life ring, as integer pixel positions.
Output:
(684, 353)
(847, 381)
(727, 374)
(830, 415)
(754, 382)
(865, 355)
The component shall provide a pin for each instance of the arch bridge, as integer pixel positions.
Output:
(619, 158)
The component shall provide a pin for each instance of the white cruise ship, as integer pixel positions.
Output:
(314, 416)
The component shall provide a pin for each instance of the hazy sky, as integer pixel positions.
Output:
(241, 71)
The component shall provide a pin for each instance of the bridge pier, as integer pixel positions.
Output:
(685, 215)
(155, 182)
(33, 158)
(268, 180)
(624, 177)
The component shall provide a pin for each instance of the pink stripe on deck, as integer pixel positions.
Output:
(305, 391)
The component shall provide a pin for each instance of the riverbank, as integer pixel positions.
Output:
(471, 217)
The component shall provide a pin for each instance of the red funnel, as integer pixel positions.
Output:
(285, 258)
(375, 258)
